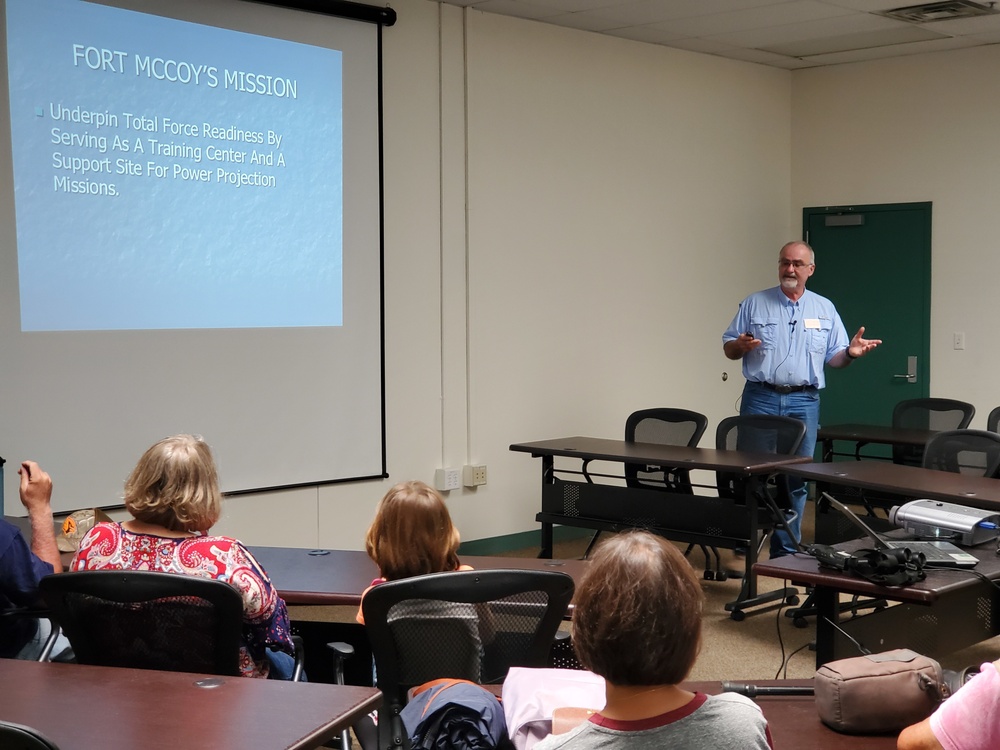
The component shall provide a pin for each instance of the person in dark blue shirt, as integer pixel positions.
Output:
(21, 566)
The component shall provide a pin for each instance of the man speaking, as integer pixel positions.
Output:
(785, 336)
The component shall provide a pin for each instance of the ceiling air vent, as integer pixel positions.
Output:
(948, 10)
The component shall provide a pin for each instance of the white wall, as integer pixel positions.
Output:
(622, 198)
(618, 193)
(920, 128)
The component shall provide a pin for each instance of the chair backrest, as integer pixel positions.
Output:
(757, 433)
(927, 414)
(19, 737)
(974, 452)
(665, 427)
(147, 620)
(993, 420)
(471, 625)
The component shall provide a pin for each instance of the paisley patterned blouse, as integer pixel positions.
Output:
(108, 546)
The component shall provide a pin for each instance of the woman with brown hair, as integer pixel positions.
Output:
(412, 535)
(637, 624)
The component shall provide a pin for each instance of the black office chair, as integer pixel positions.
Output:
(19, 737)
(149, 620)
(471, 625)
(993, 420)
(757, 433)
(974, 452)
(663, 426)
(761, 433)
(927, 414)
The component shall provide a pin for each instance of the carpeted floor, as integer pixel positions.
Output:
(766, 645)
(763, 646)
(756, 648)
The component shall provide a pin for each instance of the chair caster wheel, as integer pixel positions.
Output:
(709, 575)
(738, 615)
(721, 575)
(792, 600)
(800, 622)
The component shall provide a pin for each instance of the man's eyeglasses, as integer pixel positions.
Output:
(796, 264)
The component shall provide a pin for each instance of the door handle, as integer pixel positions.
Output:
(911, 367)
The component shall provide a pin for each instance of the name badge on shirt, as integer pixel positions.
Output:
(812, 323)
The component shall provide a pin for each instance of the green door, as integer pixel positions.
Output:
(874, 262)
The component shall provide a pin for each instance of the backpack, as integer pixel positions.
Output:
(448, 713)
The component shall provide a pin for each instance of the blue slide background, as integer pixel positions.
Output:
(165, 252)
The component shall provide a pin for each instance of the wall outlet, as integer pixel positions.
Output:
(473, 476)
(447, 479)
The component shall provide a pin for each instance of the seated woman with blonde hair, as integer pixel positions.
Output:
(173, 496)
(637, 624)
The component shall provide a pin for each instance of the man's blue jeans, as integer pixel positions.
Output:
(804, 405)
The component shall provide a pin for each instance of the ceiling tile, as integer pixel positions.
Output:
(787, 34)
(638, 12)
(961, 26)
(817, 29)
(753, 18)
(872, 6)
(584, 21)
(645, 34)
(898, 50)
(572, 6)
(517, 8)
(846, 42)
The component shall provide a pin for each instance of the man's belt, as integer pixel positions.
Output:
(787, 388)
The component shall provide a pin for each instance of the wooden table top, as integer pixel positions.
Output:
(794, 722)
(875, 433)
(678, 456)
(804, 569)
(79, 706)
(906, 481)
(337, 577)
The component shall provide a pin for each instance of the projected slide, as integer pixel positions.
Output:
(172, 175)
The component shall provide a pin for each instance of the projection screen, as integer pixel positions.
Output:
(191, 242)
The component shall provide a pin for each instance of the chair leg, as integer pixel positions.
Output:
(341, 652)
(300, 658)
(50, 642)
(593, 542)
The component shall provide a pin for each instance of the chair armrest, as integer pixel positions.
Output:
(341, 651)
(300, 658)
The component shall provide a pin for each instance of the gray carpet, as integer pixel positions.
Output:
(747, 650)
(766, 644)
(763, 646)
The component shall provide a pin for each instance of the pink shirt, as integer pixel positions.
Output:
(970, 719)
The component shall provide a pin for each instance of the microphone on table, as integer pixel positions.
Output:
(752, 691)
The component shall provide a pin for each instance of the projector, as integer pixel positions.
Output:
(954, 523)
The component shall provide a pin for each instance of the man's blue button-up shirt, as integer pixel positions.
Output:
(797, 338)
